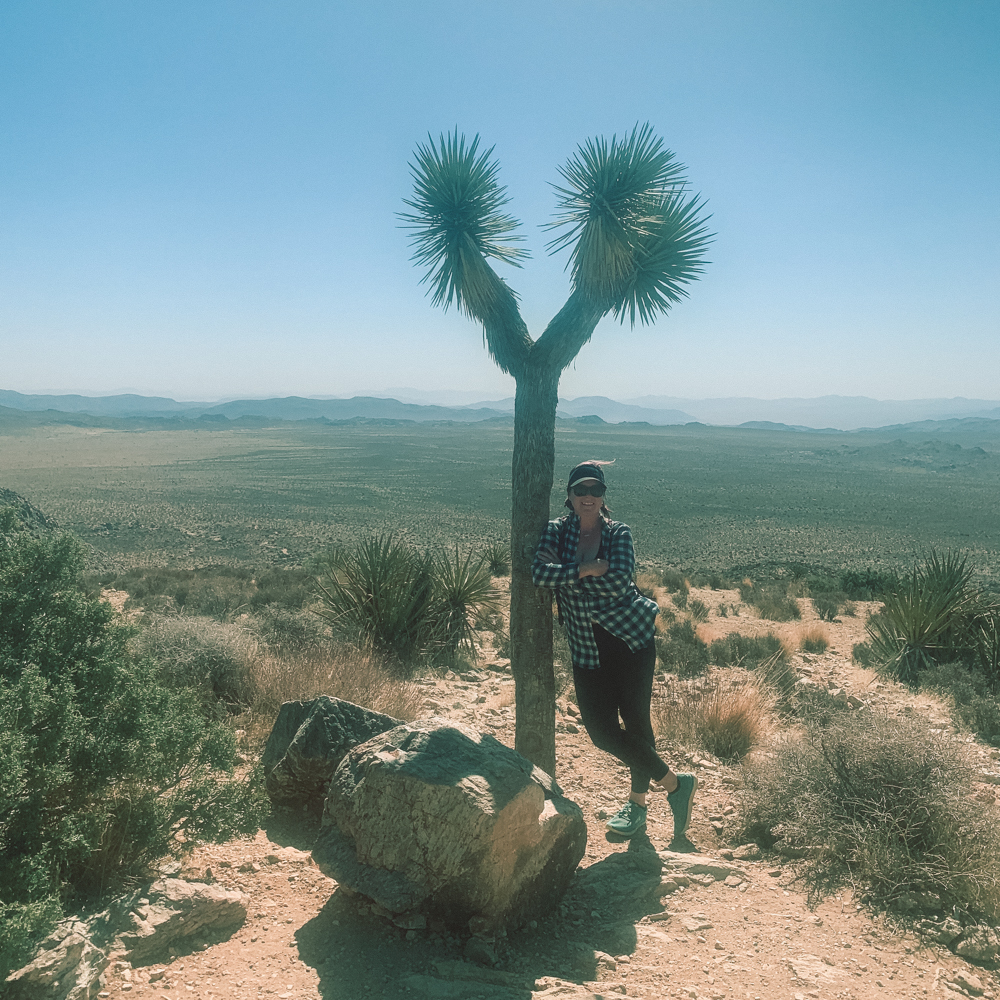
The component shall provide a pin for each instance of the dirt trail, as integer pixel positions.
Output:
(751, 938)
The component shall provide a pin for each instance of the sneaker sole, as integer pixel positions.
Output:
(622, 833)
(690, 809)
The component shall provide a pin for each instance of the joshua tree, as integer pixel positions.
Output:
(637, 238)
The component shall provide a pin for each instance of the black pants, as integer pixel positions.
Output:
(622, 685)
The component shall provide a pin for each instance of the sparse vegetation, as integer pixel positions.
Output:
(725, 713)
(496, 555)
(936, 616)
(403, 605)
(102, 765)
(698, 610)
(747, 651)
(814, 640)
(681, 651)
(876, 802)
(771, 600)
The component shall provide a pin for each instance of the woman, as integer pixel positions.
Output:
(589, 561)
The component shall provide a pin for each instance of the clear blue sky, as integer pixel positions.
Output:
(199, 199)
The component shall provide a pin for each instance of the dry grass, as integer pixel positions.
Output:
(814, 639)
(344, 673)
(726, 713)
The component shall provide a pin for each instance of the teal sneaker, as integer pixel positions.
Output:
(629, 820)
(680, 800)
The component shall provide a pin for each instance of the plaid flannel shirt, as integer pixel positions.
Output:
(611, 601)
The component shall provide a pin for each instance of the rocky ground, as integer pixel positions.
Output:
(639, 920)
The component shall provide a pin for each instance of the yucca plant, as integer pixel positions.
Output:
(636, 240)
(383, 592)
(925, 620)
(497, 557)
(463, 594)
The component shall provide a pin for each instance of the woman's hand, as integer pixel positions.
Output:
(595, 567)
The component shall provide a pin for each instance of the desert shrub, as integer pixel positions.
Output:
(868, 584)
(404, 605)
(216, 591)
(883, 806)
(827, 606)
(286, 588)
(698, 610)
(725, 713)
(814, 640)
(101, 764)
(647, 583)
(338, 671)
(463, 594)
(280, 629)
(198, 654)
(863, 655)
(674, 581)
(973, 698)
(681, 651)
(771, 600)
(746, 651)
(680, 599)
(496, 555)
(925, 620)
(710, 579)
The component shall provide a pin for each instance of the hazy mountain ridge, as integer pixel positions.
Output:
(825, 413)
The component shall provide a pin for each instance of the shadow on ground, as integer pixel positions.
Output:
(356, 953)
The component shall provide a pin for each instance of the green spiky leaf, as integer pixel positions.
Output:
(457, 221)
(637, 237)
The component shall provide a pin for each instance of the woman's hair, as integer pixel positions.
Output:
(605, 509)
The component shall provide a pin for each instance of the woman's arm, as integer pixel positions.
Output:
(546, 570)
(621, 566)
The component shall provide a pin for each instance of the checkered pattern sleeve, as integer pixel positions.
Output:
(548, 572)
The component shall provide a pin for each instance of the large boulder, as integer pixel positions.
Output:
(435, 819)
(308, 741)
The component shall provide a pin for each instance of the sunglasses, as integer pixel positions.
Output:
(589, 491)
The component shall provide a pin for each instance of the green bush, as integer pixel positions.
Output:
(403, 604)
(880, 805)
(827, 606)
(496, 555)
(198, 654)
(925, 620)
(699, 611)
(681, 652)
(746, 651)
(680, 599)
(101, 764)
(868, 584)
(771, 601)
(863, 655)
(973, 698)
(673, 581)
(216, 591)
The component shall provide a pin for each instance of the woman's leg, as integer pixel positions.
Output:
(630, 682)
(600, 694)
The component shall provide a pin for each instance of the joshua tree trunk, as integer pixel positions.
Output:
(531, 607)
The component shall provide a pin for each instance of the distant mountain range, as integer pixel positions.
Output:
(825, 412)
